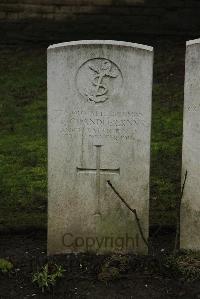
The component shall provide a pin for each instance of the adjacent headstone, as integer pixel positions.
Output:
(190, 207)
(99, 125)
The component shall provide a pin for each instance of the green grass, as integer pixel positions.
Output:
(166, 145)
(23, 142)
(23, 136)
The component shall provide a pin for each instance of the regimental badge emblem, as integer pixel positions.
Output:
(99, 80)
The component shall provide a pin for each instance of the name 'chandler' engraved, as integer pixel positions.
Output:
(98, 80)
(116, 126)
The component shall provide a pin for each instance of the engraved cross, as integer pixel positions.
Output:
(98, 171)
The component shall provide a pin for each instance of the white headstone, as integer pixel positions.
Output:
(99, 125)
(190, 208)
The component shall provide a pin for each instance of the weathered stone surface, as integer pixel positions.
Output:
(190, 209)
(99, 123)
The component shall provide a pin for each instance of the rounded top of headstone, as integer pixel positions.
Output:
(102, 42)
(193, 42)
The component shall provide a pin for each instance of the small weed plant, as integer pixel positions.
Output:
(5, 266)
(186, 265)
(48, 276)
(113, 268)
